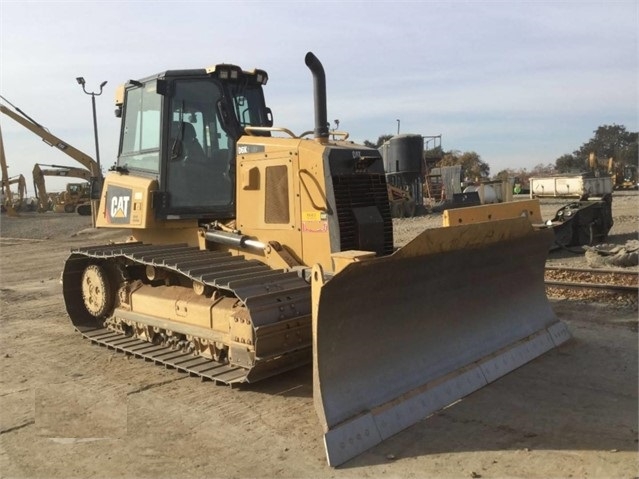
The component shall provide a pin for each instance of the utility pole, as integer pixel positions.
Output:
(93, 94)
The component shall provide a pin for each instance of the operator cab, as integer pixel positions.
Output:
(181, 127)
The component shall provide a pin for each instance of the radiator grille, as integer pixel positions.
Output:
(361, 190)
(276, 209)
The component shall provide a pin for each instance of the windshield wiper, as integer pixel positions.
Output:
(120, 169)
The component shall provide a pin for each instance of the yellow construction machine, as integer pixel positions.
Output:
(95, 175)
(9, 202)
(625, 176)
(75, 198)
(401, 201)
(17, 203)
(6, 200)
(254, 251)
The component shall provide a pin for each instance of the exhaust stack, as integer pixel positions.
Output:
(319, 94)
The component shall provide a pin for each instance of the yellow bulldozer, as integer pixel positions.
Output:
(254, 251)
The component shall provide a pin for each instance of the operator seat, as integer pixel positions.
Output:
(193, 151)
(197, 179)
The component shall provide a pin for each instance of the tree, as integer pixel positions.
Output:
(503, 175)
(380, 141)
(523, 175)
(543, 170)
(472, 165)
(610, 141)
(570, 164)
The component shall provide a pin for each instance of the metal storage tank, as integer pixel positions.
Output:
(403, 154)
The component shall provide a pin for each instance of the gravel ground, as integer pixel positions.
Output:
(71, 409)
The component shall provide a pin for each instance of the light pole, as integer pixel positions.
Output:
(398, 127)
(93, 94)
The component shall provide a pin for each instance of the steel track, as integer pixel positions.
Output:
(279, 304)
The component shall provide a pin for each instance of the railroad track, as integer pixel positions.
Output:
(592, 284)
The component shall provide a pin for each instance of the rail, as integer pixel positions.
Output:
(592, 284)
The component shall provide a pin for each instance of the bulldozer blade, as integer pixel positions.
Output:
(397, 338)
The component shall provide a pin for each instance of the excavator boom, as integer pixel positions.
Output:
(95, 175)
(49, 138)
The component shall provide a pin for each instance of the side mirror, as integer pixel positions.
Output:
(95, 188)
(162, 87)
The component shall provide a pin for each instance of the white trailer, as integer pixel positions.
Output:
(575, 186)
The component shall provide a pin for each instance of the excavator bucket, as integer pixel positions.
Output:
(397, 338)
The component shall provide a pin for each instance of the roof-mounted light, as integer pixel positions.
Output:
(232, 72)
(225, 71)
(261, 76)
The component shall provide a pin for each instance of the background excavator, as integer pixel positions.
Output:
(75, 198)
(254, 251)
(10, 203)
(16, 203)
(95, 175)
(6, 202)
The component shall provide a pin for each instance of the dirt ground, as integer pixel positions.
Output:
(72, 409)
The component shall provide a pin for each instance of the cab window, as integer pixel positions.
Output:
(140, 147)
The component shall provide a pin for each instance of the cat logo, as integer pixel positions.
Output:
(118, 207)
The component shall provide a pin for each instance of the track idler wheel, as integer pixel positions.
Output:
(84, 210)
(97, 291)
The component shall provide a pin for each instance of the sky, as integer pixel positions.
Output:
(519, 82)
